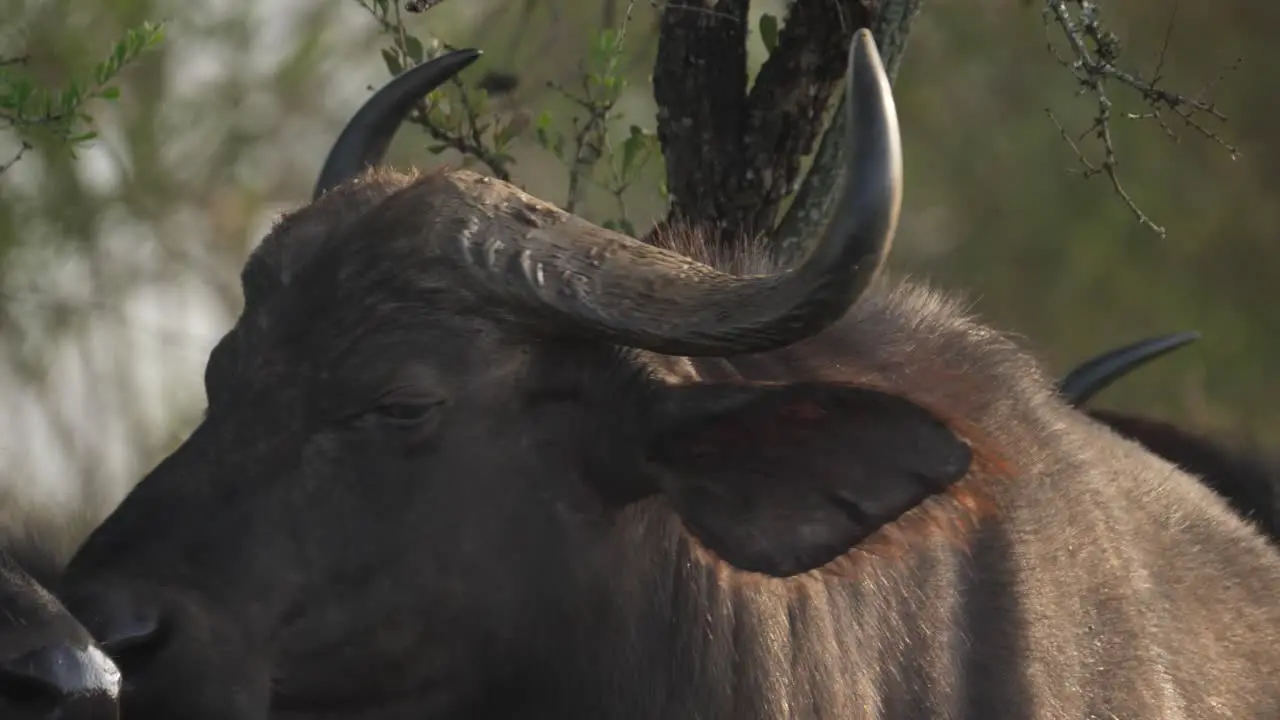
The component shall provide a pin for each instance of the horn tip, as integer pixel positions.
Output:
(462, 58)
(871, 109)
(863, 49)
(866, 71)
(1172, 341)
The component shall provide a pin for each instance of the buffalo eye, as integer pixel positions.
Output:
(406, 408)
(406, 412)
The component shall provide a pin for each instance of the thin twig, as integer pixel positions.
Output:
(22, 150)
(1093, 69)
(591, 137)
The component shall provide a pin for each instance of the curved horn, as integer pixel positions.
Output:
(364, 140)
(1094, 376)
(615, 288)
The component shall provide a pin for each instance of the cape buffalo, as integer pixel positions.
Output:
(49, 666)
(1246, 477)
(469, 456)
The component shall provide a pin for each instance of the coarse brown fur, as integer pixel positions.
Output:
(1246, 477)
(532, 574)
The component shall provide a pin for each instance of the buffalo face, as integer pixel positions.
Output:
(349, 525)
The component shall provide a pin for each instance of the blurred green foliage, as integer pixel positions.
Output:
(994, 205)
(119, 266)
(226, 123)
(34, 112)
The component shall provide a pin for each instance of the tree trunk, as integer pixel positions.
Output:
(733, 155)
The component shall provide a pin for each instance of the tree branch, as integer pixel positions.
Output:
(23, 148)
(699, 84)
(1095, 52)
(787, 103)
(732, 157)
(821, 187)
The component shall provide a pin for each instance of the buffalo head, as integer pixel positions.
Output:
(436, 427)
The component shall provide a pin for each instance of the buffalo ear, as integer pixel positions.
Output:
(784, 479)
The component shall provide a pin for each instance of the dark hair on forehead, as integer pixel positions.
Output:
(298, 236)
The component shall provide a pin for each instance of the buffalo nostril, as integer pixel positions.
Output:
(75, 682)
(134, 637)
(129, 631)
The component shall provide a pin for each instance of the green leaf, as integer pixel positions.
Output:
(57, 113)
(438, 148)
(769, 32)
(154, 34)
(632, 147)
(513, 129)
(393, 62)
(413, 48)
